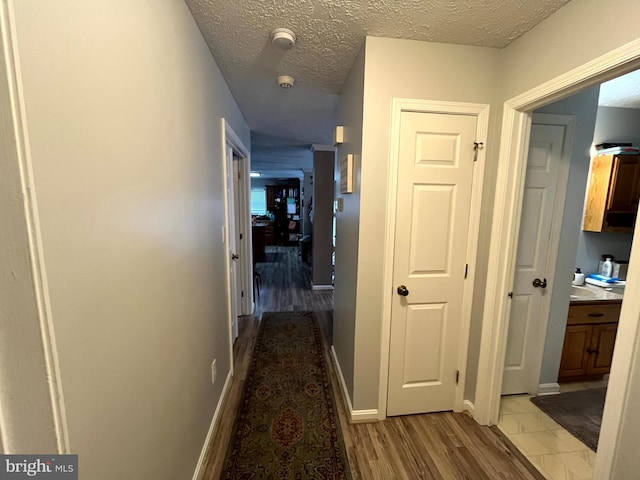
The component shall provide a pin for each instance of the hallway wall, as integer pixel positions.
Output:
(123, 104)
(432, 71)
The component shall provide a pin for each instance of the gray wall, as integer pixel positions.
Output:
(350, 115)
(584, 106)
(612, 125)
(129, 184)
(323, 163)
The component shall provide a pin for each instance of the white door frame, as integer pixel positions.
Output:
(505, 228)
(245, 267)
(568, 122)
(31, 320)
(400, 105)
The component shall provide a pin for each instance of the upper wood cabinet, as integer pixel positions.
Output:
(614, 190)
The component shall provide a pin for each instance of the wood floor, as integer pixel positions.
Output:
(433, 446)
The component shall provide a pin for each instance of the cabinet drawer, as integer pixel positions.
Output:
(593, 313)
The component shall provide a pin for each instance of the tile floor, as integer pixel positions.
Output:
(554, 451)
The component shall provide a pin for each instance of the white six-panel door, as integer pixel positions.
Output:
(543, 166)
(435, 174)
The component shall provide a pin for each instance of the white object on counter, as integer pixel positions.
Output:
(578, 278)
(599, 283)
(607, 267)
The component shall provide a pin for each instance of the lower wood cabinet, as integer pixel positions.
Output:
(589, 341)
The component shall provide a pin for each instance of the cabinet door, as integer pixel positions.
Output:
(575, 358)
(602, 343)
(623, 189)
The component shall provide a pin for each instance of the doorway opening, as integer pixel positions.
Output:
(509, 199)
(573, 349)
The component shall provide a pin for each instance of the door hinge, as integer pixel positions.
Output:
(466, 270)
(242, 294)
(240, 236)
(239, 176)
(510, 294)
(477, 146)
(457, 376)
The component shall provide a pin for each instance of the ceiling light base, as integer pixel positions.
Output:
(285, 81)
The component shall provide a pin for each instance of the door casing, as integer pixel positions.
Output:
(400, 105)
(245, 267)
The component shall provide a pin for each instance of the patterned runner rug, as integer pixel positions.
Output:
(287, 425)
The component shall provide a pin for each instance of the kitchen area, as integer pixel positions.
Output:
(611, 205)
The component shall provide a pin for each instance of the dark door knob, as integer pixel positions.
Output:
(402, 290)
(540, 283)
(234, 256)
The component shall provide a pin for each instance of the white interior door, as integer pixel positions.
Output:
(233, 245)
(541, 188)
(435, 175)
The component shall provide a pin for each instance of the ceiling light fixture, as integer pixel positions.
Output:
(283, 38)
(285, 81)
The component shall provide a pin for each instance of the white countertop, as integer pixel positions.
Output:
(591, 293)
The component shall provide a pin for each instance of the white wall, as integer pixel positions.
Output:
(580, 31)
(583, 106)
(431, 71)
(123, 106)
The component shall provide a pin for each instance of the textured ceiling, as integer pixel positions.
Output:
(330, 34)
(621, 92)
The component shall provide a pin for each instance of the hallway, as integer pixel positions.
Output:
(436, 446)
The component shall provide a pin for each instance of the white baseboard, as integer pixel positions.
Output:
(321, 287)
(355, 416)
(548, 389)
(200, 467)
(468, 406)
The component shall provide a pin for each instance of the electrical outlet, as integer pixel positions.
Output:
(213, 371)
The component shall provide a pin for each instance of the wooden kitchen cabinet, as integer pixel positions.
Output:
(613, 193)
(589, 340)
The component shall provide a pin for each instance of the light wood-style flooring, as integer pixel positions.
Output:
(433, 446)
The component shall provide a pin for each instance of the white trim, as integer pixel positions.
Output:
(355, 416)
(468, 406)
(231, 140)
(504, 230)
(16, 95)
(505, 225)
(569, 123)
(198, 474)
(245, 248)
(321, 287)
(398, 106)
(548, 389)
